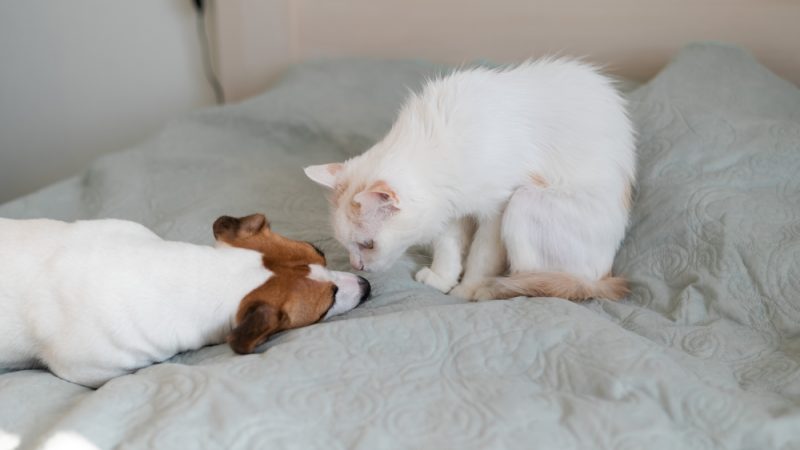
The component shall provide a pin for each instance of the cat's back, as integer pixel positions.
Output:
(549, 102)
(542, 99)
(555, 116)
(541, 81)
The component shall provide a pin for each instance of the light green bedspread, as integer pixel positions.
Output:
(703, 355)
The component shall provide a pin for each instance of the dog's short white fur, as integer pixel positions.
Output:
(92, 300)
(540, 157)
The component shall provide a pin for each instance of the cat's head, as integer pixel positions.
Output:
(368, 217)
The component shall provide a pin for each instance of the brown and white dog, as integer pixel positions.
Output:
(92, 300)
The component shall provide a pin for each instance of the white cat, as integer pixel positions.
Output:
(540, 158)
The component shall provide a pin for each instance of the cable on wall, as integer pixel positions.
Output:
(205, 49)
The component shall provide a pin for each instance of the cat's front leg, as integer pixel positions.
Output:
(448, 253)
(487, 258)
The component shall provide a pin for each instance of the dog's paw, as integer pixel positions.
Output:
(434, 280)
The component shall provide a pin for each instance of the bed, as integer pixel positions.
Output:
(704, 354)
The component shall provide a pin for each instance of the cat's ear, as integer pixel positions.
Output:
(324, 174)
(378, 197)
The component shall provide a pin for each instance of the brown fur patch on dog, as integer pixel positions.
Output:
(289, 298)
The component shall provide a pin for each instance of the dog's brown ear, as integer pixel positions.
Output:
(259, 323)
(254, 223)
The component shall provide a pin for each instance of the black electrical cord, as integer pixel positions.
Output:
(205, 49)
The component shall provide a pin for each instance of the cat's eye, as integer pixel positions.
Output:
(366, 245)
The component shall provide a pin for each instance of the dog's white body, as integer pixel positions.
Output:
(92, 300)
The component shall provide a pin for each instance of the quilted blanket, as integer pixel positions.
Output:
(704, 354)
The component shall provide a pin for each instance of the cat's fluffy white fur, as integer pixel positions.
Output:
(520, 178)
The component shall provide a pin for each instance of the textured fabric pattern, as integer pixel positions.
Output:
(703, 355)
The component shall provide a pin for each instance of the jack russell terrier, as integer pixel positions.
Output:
(92, 300)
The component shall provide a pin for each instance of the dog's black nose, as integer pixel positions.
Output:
(365, 287)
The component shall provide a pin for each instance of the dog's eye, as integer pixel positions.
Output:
(366, 245)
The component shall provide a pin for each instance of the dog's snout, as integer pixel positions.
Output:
(223, 224)
(365, 289)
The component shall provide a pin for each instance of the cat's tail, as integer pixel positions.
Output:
(557, 284)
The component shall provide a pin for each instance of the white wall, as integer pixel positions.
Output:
(258, 35)
(79, 78)
(634, 38)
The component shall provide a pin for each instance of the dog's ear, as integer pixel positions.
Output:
(254, 223)
(324, 174)
(259, 323)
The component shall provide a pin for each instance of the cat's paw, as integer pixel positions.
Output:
(484, 292)
(466, 291)
(476, 292)
(433, 279)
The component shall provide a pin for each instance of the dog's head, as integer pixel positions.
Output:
(300, 290)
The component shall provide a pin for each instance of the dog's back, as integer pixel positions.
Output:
(32, 254)
(25, 245)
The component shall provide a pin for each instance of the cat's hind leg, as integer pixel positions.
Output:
(559, 244)
(448, 253)
(487, 258)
